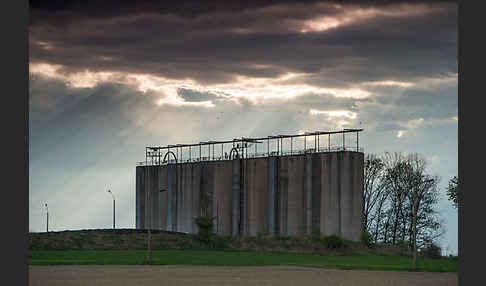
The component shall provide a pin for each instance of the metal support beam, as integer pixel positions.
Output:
(344, 143)
(291, 145)
(153, 154)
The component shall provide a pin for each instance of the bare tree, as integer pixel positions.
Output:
(453, 191)
(419, 184)
(395, 172)
(373, 188)
(379, 213)
(399, 201)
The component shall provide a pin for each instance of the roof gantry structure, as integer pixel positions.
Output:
(153, 154)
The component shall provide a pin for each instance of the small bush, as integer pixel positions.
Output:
(261, 240)
(205, 228)
(334, 241)
(432, 251)
(220, 241)
(316, 236)
(366, 239)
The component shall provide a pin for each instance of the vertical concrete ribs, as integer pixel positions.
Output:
(280, 195)
(280, 192)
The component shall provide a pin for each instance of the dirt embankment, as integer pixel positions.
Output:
(132, 239)
(101, 239)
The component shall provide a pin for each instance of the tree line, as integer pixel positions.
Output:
(399, 201)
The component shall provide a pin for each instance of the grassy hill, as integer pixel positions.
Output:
(128, 246)
(132, 239)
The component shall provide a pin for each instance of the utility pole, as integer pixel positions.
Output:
(47, 226)
(109, 191)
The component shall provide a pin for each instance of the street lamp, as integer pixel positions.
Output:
(47, 226)
(109, 191)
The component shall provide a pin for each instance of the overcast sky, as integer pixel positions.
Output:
(108, 78)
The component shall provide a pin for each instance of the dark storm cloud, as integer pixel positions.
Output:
(194, 96)
(85, 140)
(215, 45)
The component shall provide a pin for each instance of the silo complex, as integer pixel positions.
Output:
(281, 193)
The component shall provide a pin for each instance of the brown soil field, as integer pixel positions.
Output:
(219, 275)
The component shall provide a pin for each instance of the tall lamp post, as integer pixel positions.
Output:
(47, 225)
(109, 191)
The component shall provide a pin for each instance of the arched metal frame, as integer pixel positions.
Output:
(231, 152)
(167, 154)
(173, 226)
(153, 154)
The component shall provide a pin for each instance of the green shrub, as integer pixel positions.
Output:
(402, 244)
(205, 228)
(316, 236)
(432, 250)
(261, 241)
(262, 235)
(366, 239)
(334, 241)
(219, 241)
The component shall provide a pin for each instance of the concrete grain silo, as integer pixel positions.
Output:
(282, 191)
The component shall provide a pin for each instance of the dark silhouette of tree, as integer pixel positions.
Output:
(373, 188)
(453, 191)
(399, 201)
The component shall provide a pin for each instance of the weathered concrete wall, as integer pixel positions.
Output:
(256, 196)
(151, 198)
(330, 202)
(282, 196)
(316, 204)
(295, 194)
(163, 199)
(351, 193)
(235, 196)
(222, 197)
(154, 188)
(308, 194)
(185, 215)
(289, 195)
(346, 196)
(272, 178)
(196, 179)
(358, 187)
(140, 198)
(171, 173)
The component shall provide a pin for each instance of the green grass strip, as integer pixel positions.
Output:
(238, 258)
